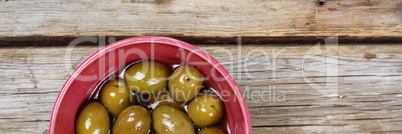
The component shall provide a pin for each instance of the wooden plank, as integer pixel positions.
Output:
(369, 77)
(350, 19)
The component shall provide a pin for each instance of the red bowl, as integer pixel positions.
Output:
(104, 62)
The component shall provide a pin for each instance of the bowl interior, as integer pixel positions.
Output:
(97, 67)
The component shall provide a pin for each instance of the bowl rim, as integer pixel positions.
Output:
(159, 40)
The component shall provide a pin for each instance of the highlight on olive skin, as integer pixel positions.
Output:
(94, 118)
(170, 120)
(133, 120)
(147, 77)
(185, 83)
(115, 95)
(206, 110)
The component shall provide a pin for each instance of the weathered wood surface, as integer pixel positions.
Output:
(198, 18)
(369, 99)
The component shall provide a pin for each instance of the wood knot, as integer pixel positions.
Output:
(369, 55)
(320, 2)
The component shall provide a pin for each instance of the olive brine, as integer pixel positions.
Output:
(149, 97)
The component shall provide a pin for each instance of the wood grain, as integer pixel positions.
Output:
(197, 18)
(368, 99)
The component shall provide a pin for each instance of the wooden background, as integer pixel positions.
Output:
(34, 36)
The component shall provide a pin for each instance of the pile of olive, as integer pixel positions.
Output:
(173, 103)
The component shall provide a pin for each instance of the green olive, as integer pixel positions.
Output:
(205, 110)
(133, 120)
(115, 95)
(170, 120)
(211, 130)
(148, 77)
(94, 118)
(164, 98)
(185, 83)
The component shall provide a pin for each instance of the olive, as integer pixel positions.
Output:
(170, 120)
(115, 95)
(185, 83)
(94, 118)
(133, 120)
(148, 77)
(205, 110)
(164, 98)
(211, 130)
